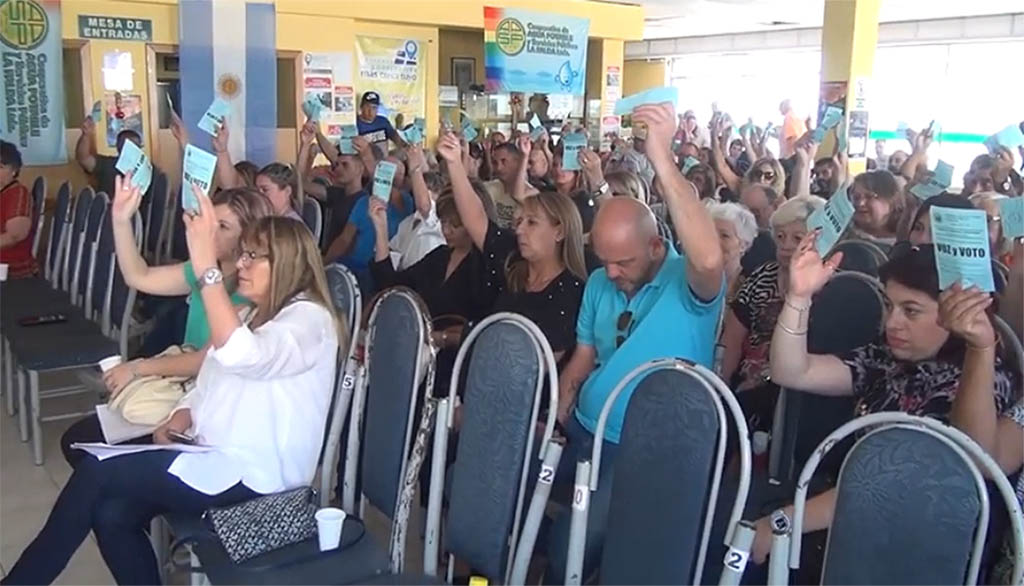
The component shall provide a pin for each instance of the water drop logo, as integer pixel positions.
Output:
(566, 76)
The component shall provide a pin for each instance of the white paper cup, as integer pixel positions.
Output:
(329, 522)
(3, 271)
(110, 362)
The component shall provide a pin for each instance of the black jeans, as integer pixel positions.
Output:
(88, 430)
(115, 499)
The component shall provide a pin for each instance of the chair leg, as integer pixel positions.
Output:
(159, 537)
(196, 578)
(9, 377)
(22, 407)
(37, 427)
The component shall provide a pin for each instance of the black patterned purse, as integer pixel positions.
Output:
(265, 523)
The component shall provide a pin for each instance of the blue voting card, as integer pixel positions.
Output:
(213, 119)
(311, 107)
(940, 180)
(535, 122)
(420, 123)
(412, 135)
(97, 111)
(962, 247)
(573, 144)
(651, 96)
(833, 219)
(536, 128)
(689, 163)
(383, 178)
(348, 132)
(833, 116)
(841, 136)
(196, 168)
(1010, 137)
(469, 132)
(134, 161)
(1011, 210)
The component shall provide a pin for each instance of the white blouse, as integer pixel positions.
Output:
(261, 400)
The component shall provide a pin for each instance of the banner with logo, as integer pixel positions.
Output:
(328, 78)
(396, 69)
(31, 81)
(534, 51)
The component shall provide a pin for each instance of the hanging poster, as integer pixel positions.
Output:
(124, 112)
(395, 69)
(534, 51)
(32, 83)
(327, 78)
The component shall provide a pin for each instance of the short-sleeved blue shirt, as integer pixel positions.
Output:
(376, 132)
(361, 255)
(668, 321)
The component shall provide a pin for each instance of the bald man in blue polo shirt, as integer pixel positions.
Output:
(648, 302)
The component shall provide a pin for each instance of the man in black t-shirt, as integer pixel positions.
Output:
(101, 167)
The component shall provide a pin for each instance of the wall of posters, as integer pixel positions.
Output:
(31, 81)
(328, 78)
(124, 112)
(396, 69)
(528, 51)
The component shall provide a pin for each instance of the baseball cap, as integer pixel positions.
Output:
(370, 98)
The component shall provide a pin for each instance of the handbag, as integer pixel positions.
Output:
(254, 527)
(148, 400)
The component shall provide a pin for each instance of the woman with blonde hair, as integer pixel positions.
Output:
(278, 182)
(235, 210)
(260, 403)
(627, 184)
(538, 270)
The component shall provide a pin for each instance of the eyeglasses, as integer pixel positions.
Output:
(624, 324)
(248, 256)
(866, 196)
(766, 174)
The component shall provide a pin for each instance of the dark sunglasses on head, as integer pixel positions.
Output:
(624, 324)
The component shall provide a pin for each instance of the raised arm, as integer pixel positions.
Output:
(178, 130)
(379, 217)
(471, 209)
(791, 365)
(732, 181)
(365, 151)
(918, 156)
(302, 161)
(522, 187)
(227, 176)
(200, 233)
(328, 148)
(420, 192)
(805, 150)
(166, 280)
(693, 223)
(85, 148)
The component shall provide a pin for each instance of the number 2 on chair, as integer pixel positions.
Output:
(735, 559)
(547, 475)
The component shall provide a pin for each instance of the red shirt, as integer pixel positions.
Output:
(15, 201)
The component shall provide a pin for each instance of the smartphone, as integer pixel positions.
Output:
(181, 438)
(42, 320)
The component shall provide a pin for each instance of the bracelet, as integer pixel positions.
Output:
(802, 332)
(800, 309)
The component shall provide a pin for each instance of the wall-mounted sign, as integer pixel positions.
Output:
(115, 28)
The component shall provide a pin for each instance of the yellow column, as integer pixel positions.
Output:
(848, 40)
(638, 76)
(604, 80)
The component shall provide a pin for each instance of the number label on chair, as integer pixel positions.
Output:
(580, 497)
(348, 382)
(736, 560)
(547, 474)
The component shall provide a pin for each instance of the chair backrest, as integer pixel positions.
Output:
(102, 274)
(93, 227)
(121, 298)
(859, 256)
(313, 216)
(498, 414)
(38, 217)
(907, 511)
(177, 246)
(847, 313)
(1013, 350)
(76, 235)
(345, 294)
(662, 481)
(58, 238)
(395, 365)
(156, 216)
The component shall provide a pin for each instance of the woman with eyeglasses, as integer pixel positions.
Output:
(937, 346)
(879, 205)
(260, 404)
(235, 210)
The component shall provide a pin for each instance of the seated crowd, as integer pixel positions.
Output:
(668, 245)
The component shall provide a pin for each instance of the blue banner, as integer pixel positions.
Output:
(31, 81)
(534, 51)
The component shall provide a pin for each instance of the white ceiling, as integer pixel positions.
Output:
(687, 18)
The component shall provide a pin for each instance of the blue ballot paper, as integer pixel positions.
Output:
(213, 119)
(689, 163)
(348, 132)
(412, 135)
(468, 130)
(962, 247)
(196, 168)
(833, 116)
(833, 220)
(1010, 137)
(651, 96)
(420, 123)
(97, 111)
(383, 178)
(1011, 210)
(939, 182)
(134, 161)
(536, 128)
(573, 144)
(311, 107)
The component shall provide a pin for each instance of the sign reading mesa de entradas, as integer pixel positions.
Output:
(115, 28)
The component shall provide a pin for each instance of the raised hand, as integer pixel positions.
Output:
(201, 232)
(88, 126)
(590, 162)
(922, 140)
(525, 145)
(379, 215)
(178, 129)
(417, 160)
(308, 132)
(220, 140)
(448, 147)
(962, 312)
(126, 200)
(807, 273)
(661, 127)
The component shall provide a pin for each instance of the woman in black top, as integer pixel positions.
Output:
(536, 271)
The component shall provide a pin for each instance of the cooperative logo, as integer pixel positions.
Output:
(510, 36)
(23, 24)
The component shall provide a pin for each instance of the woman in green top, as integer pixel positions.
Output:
(236, 209)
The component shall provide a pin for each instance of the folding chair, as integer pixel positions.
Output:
(57, 239)
(859, 256)
(1013, 351)
(847, 313)
(668, 469)
(72, 254)
(156, 223)
(38, 216)
(911, 506)
(313, 216)
(87, 251)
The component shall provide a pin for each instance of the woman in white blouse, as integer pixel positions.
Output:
(261, 401)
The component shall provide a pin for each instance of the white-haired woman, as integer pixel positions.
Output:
(737, 229)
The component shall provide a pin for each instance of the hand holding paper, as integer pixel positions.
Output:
(574, 143)
(383, 179)
(651, 96)
(940, 180)
(213, 119)
(311, 107)
(832, 117)
(134, 161)
(833, 219)
(962, 247)
(197, 169)
(1011, 210)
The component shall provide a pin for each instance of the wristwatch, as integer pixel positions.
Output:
(781, 525)
(211, 276)
(602, 189)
